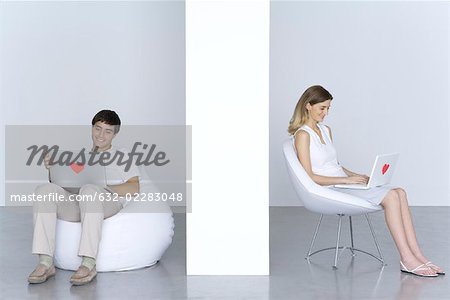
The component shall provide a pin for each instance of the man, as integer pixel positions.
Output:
(105, 126)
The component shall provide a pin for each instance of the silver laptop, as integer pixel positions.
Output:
(382, 171)
(73, 177)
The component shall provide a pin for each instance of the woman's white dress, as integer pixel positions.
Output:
(324, 162)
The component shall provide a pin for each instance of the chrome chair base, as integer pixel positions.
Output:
(342, 248)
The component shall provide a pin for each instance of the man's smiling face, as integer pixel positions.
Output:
(102, 135)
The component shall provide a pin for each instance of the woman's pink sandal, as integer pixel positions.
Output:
(404, 269)
(435, 268)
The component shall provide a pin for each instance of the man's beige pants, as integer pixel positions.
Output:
(88, 209)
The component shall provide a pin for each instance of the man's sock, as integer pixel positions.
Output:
(88, 262)
(46, 260)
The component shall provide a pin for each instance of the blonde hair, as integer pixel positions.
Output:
(313, 95)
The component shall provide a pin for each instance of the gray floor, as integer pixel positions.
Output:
(291, 276)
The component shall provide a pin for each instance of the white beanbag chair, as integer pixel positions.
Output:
(130, 239)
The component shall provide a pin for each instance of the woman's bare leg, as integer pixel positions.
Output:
(409, 228)
(394, 221)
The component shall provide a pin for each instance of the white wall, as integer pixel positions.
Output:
(61, 62)
(387, 66)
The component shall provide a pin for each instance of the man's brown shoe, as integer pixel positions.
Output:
(83, 275)
(41, 274)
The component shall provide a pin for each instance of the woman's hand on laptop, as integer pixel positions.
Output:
(366, 177)
(357, 179)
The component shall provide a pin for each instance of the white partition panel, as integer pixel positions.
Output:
(227, 56)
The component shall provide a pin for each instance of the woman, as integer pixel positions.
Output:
(314, 144)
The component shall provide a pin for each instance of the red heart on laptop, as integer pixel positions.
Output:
(77, 168)
(385, 168)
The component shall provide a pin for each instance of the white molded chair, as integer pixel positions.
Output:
(326, 201)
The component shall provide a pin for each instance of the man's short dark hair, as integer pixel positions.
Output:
(109, 117)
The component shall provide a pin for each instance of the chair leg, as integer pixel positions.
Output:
(351, 236)
(337, 247)
(337, 242)
(374, 238)
(314, 237)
